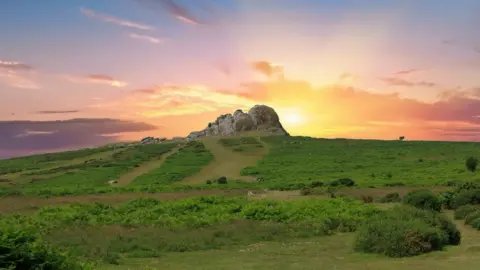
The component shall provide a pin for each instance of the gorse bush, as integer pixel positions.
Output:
(471, 217)
(466, 196)
(447, 197)
(471, 163)
(346, 182)
(21, 249)
(406, 231)
(391, 198)
(463, 211)
(423, 199)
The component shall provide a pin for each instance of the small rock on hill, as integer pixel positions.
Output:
(259, 118)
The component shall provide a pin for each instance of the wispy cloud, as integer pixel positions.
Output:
(402, 82)
(176, 10)
(96, 79)
(57, 112)
(17, 80)
(13, 65)
(407, 71)
(145, 38)
(115, 20)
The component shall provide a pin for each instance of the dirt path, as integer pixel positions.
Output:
(16, 204)
(144, 168)
(226, 163)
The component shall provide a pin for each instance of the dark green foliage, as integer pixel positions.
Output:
(315, 184)
(20, 249)
(423, 199)
(447, 198)
(406, 231)
(465, 197)
(395, 184)
(208, 182)
(390, 198)
(222, 180)
(367, 199)
(471, 217)
(463, 211)
(476, 224)
(471, 163)
(346, 182)
(467, 185)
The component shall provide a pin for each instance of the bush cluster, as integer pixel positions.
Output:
(406, 231)
(423, 199)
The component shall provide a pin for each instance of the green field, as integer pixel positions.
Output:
(322, 204)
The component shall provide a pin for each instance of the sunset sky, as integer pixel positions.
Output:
(125, 69)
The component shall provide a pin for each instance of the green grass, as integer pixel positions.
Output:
(41, 161)
(243, 144)
(95, 173)
(186, 162)
(150, 228)
(368, 162)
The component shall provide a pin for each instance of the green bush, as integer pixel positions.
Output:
(471, 164)
(406, 231)
(315, 184)
(305, 191)
(447, 198)
(463, 211)
(471, 217)
(471, 196)
(20, 249)
(476, 224)
(346, 182)
(423, 199)
(467, 185)
(390, 198)
(222, 180)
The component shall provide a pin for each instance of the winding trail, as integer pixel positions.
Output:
(145, 167)
(226, 162)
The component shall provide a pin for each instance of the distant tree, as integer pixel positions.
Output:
(471, 164)
(222, 180)
(401, 138)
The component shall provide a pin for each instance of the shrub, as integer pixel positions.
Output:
(315, 184)
(306, 191)
(406, 231)
(208, 182)
(20, 249)
(346, 182)
(476, 224)
(467, 185)
(367, 199)
(447, 198)
(395, 184)
(471, 164)
(463, 211)
(423, 199)
(471, 217)
(222, 180)
(391, 198)
(465, 197)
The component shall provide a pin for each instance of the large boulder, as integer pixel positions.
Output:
(259, 118)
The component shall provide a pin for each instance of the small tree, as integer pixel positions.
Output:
(401, 138)
(471, 164)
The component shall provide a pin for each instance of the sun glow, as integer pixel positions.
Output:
(292, 117)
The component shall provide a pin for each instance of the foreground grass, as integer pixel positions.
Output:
(331, 252)
(151, 228)
(301, 160)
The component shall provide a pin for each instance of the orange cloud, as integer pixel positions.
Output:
(15, 79)
(111, 19)
(13, 65)
(267, 68)
(402, 82)
(96, 79)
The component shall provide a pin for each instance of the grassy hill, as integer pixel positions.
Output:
(166, 201)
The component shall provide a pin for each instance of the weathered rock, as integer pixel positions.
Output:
(259, 118)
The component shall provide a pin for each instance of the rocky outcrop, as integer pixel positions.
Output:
(259, 118)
